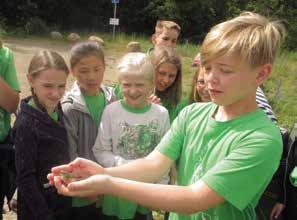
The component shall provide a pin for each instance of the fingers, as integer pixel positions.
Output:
(154, 99)
(61, 187)
(57, 170)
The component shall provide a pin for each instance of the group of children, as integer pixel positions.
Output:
(114, 127)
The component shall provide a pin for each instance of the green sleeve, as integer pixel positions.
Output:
(118, 91)
(244, 173)
(10, 73)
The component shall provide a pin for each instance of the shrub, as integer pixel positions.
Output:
(36, 26)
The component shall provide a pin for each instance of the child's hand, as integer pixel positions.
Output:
(69, 177)
(154, 99)
(87, 188)
(82, 168)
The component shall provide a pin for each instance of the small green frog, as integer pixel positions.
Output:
(69, 177)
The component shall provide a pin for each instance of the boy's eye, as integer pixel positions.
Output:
(83, 72)
(226, 71)
(207, 68)
(48, 86)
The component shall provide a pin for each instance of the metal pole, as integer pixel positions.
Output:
(114, 16)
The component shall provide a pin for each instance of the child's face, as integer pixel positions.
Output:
(165, 76)
(136, 90)
(89, 72)
(168, 38)
(230, 82)
(202, 88)
(49, 87)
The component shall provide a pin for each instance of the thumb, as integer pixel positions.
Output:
(81, 185)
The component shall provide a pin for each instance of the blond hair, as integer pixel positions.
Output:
(163, 54)
(250, 36)
(136, 63)
(133, 46)
(45, 60)
(165, 24)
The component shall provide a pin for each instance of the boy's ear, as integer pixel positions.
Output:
(264, 73)
(30, 79)
(153, 39)
(72, 72)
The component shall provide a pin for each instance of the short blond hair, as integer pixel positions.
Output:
(136, 63)
(253, 38)
(165, 24)
(133, 46)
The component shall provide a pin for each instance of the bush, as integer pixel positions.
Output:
(2, 27)
(36, 26)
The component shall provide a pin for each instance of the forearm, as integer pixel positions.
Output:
(180, 199)
(9, 98)
(148, 169)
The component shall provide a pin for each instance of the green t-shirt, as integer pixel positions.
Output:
(118, 91)
(8, 74)
(174, 110)
(95, 104)
(235, 158)
(53, 115)
(122, 208)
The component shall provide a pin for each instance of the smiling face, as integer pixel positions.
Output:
(49, 87)
(165, 76)
(168, 37)
(89, 72)
(136, 89)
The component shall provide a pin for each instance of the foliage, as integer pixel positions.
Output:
(139, 16)
(36, 26)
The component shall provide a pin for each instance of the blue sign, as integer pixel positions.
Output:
(115, 1)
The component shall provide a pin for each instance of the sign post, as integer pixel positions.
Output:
(114, 21)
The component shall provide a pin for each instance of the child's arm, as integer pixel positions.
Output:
(70, 122)
(103, 147)
(9, 86)
(181, 199)
(28, 187)
(9, 98)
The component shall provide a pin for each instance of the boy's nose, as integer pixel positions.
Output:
(56, 93)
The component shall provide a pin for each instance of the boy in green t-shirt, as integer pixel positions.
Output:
(226, 151)
(9, 99)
